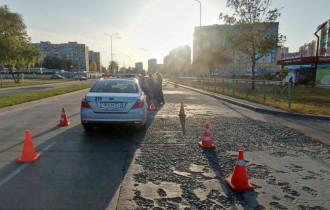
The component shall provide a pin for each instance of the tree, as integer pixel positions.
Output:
(283, 73)
(268, 76)
(92, 66)
(123, 70)
(50, 62)
(251, 34)
(220, 58)
(198, 63)
(16, 49)
(104, 70)
(113, 67)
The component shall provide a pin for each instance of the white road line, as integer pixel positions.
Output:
(48, 147)
(12, 175)
(19, 169)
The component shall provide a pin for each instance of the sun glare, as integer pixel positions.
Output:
(166, 24)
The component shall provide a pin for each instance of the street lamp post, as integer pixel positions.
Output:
(200, 12)
(111, 43)
(129, 60)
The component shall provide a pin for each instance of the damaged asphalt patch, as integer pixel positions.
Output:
(170, 171)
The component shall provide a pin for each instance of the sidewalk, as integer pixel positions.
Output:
(253, 106)
(169, 170)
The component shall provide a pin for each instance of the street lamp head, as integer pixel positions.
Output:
(111, 34)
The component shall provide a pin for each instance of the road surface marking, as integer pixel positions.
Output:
(20, 168)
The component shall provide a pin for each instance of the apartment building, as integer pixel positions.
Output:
(178, 61)
(76, 53)
(96, 57)
(208, 39)
(152, 65)
(139, 66)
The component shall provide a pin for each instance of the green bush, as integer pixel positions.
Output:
(268, 76)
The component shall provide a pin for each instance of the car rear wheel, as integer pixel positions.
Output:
(88, 128)
(142, 128)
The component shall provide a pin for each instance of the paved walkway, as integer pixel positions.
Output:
(254, 106)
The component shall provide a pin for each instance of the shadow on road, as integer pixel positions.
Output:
(183, 124)
(76, 170)
(33, 137)
(247, 199)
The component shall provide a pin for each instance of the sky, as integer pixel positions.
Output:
(149, 28)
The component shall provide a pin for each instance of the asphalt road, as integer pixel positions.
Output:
(115, 167)
(34, 88)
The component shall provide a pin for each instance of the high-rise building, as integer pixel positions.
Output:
(152, 65)
(76, 53)
(139, 66)
(324, 34)
(209, 39)
(96, 57)
(282, 52)
(308, 49)
(178, 61)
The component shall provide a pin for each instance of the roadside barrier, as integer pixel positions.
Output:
(63, 120)
(181, 113)
(206, 141)
(238, 181)
(152, 106)
(29, 153)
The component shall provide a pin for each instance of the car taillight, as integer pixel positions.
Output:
(84, 104)
(139, 103)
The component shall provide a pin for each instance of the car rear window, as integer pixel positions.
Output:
(115, 86)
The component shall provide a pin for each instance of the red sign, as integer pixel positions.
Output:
(304, 60)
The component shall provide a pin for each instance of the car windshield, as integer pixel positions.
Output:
(115, 86)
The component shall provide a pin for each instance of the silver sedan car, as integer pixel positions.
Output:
(114, 101)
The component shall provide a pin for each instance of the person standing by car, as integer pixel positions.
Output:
(159, 89)
(144, 85)
(151, 84)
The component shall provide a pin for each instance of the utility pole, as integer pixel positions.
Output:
(200, 12)
(111, 44)
(129, 60)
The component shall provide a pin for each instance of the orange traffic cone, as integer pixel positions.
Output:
(29, 153)
(181, 113)
(152, 106)
(238, 181)
(63, 120)
(206, 141)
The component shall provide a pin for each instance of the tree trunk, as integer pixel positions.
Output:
(12, 73)
(253, 74)
(17, 74)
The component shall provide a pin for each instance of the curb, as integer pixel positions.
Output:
(254, 108)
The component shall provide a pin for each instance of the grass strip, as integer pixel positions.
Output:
(27, 82)
(26, 97)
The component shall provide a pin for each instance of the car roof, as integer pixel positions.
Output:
(117, 79)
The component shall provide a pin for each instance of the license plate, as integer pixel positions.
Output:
(118, 105)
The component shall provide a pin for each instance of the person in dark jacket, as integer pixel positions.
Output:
(144, 86)
(152, 86)
(159, 89)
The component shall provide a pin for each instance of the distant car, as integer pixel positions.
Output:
(114, 101)
(80, 77)
(57, 76)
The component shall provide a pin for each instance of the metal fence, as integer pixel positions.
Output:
(262, 92)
